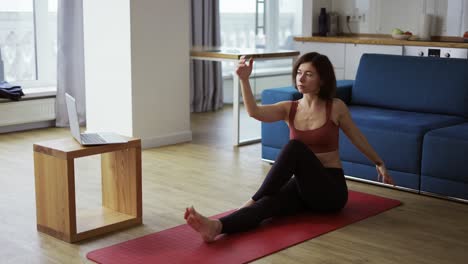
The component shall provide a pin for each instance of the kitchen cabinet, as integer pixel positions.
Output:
(345, 57)
(334, 51)
(354, 52)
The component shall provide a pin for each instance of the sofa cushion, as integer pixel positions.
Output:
(395, 135)
(272, 96)
(417, 84)
(444, 153)
(343, 90)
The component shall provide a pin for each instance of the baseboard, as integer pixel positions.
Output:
(169, 139)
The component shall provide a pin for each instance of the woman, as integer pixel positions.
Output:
(307, 175)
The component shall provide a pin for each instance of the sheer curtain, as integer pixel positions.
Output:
(70, 60)
(206, 91)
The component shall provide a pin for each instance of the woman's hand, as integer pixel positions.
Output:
(383, 175)
(244, 69)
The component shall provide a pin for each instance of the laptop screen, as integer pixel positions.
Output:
(73, 117)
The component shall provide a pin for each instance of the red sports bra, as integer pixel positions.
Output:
(319, 140)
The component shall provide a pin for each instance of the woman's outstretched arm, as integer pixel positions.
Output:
(360, 141)
(265, 113)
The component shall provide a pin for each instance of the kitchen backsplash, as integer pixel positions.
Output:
(447, 17)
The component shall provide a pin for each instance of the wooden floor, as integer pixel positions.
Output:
(214, 177)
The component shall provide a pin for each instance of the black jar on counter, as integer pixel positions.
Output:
(323, 23)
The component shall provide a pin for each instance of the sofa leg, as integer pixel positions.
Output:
(269, 161)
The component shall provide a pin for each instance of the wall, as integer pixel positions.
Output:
(108, 77)
(160, 70)
(449, 17)
(136, 69)
(465, 16)
(390, 14)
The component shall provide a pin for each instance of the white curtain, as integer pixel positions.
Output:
(70, 60)
(206, 88)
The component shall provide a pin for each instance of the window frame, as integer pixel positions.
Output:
(44, 74)
(272, 20)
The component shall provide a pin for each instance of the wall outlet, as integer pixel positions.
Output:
(356, 18)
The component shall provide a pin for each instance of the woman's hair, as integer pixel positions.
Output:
(325, 71)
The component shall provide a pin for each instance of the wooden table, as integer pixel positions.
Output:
(54, 172)
(234, 54)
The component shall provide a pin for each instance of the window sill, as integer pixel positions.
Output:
(35, 93)
(32, 93)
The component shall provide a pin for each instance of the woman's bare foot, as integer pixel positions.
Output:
(247, 204)
(208, 228)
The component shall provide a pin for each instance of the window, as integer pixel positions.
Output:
(28, 42)
(245, 24)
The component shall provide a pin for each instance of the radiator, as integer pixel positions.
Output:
(28, 111)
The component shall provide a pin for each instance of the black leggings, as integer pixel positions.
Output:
(313, 188)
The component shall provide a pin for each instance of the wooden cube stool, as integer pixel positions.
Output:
(54, 171)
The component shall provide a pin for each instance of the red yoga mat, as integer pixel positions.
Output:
(181, 244)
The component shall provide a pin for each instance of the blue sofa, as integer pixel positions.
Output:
(413, 111)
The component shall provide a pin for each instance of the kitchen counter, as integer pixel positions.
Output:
(381, 40)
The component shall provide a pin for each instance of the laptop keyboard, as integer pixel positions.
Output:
(92, 139)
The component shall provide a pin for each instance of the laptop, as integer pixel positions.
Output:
(88, 139)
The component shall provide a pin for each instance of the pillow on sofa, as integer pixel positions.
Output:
(419, 84)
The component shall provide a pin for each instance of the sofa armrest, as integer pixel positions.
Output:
(275, 95)
(276, 134)
(343, 90)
